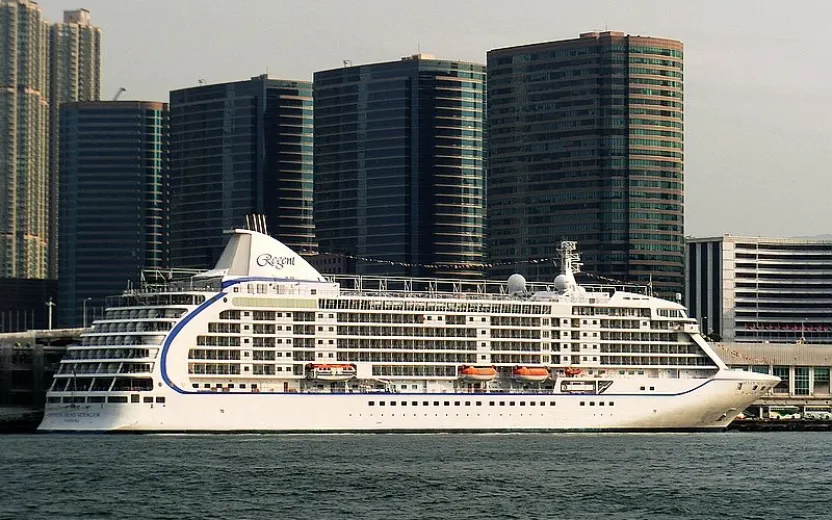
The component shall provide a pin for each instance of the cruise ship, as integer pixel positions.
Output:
(265, 343)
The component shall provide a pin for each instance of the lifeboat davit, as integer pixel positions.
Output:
(331, 372)
(477, 373)
(572, 371)
(535, 374)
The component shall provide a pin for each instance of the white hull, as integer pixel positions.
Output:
(709, 404)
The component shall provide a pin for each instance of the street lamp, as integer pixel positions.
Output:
(50, 304)
(84, 306)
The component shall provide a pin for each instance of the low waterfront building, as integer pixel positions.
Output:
(804, 370)
(757, 289)
(28, 360)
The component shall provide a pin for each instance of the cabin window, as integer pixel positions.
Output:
(436, 403)
(134, 398)
(583, 403)
(447, 403)
(160, 400)
(467, 403)
(612, 403)
(600, 403)
(414, 403)
(425, 403)
(592, 403)
(392, 403)
(551, 403)
(243, 386)
(404, 403)
(522, 403)
(479, 403)
(148, 400)
(652, 388)
(502, 403)
(456, 403)
(372, 403)
(381, 403)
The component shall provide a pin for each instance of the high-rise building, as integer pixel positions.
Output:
(760, 289)
(24, 128)
(585, 143)
(113, 200)
(75, 75)
(399, 166)
(236, 149)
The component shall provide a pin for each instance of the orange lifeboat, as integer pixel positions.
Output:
(572, 371)
(330, 372)
(535, 374)
(477, 373)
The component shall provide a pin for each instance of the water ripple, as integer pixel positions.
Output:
(448, 477)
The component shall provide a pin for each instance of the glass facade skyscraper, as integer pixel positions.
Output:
(586, 143)
(399, 183)
(236, 149)
(113, 222)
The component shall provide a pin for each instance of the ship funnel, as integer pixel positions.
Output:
(256, 222)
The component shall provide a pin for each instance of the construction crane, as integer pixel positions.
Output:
(121, 91)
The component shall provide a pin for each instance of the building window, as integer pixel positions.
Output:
(801, 380)
(783, 386)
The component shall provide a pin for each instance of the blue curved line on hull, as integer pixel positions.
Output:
(179, 326)
(172, 336)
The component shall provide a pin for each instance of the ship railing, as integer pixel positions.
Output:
(369, 284)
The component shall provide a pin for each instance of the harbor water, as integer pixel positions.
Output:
(373, 477)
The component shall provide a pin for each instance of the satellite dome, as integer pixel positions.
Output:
(516, 284)
(561, 282)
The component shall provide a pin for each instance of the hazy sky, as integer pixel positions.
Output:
(758, 110)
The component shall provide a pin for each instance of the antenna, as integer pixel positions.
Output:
(347, 63)
(201, 81)
(121, 90)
